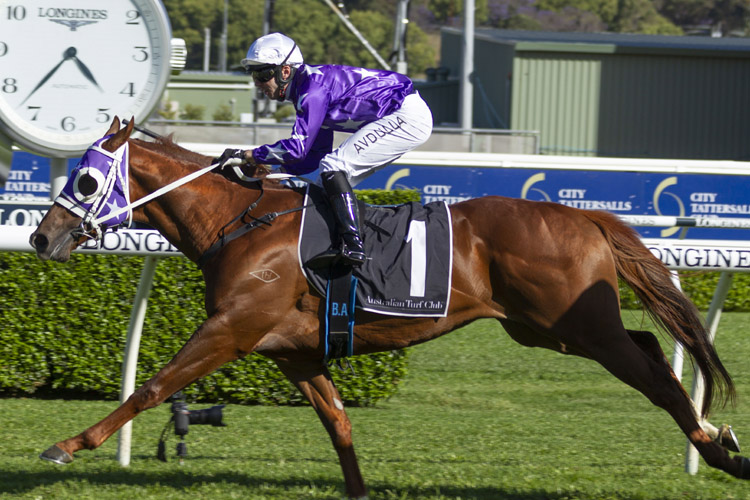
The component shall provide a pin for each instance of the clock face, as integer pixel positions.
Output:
(67, 68)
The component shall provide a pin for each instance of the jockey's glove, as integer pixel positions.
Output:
(229, 158)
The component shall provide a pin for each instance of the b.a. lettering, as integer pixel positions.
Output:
(339, 309)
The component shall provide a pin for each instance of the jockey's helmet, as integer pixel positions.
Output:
(272, 50)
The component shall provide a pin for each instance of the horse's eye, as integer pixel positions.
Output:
(87, 185)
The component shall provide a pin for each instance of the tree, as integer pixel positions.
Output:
(450, 11)
(726, 15)
(320, 34)
(624, 16)
(640, 16)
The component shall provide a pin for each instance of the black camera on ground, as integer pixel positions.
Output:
(183, 418)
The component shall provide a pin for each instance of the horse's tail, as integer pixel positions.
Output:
(670, 309)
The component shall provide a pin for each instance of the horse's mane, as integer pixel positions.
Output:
(167, 147)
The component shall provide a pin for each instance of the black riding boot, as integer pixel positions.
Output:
(350, 250)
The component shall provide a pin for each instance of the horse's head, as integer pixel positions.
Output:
(97, 187)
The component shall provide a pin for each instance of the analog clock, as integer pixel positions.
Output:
(67, 68)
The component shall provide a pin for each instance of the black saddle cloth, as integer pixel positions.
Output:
(410, 250)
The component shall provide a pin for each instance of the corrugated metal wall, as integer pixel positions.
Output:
(675, 107)
(649, 106)
(558, 95)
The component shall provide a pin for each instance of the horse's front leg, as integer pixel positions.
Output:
(212, 345)
(314, 381)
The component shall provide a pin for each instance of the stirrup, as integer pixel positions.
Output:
(324, 259)
(332, 256)
(353, 258)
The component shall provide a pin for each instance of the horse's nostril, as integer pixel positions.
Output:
(39, 241)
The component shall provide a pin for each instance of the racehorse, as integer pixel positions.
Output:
(547, 272)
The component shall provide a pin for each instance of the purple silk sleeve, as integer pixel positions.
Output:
(332, 98)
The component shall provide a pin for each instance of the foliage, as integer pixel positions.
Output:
(224, 114)
(283, 112)
(380, 197)
(324, 39)
(627, 16)
(169, 110)
(192, 112)
(64, 331)
(726, 15)
(321, 36)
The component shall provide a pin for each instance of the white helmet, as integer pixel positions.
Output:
(273, 49)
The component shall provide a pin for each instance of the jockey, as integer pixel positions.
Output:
(381, 109)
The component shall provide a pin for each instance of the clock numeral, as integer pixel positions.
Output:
(16, 13)
(133, 17)
(102, 116)
(129, 89)
(3, 49)
(68, 124)
(35, 110)
(141, 55)
(9, 86)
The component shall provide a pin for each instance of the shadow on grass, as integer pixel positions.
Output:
(15, 483)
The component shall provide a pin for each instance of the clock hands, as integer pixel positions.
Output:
(70, 53)
(49, 75)
(84, 69)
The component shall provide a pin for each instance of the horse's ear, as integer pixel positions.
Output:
(114, 127)
(121, 135)
(130, 126)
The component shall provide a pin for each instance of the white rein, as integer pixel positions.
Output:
(175, 185)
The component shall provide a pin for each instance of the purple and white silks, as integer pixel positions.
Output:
(332, 98)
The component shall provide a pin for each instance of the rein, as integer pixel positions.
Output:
(158, 192)
(178, 183)
(114, 174)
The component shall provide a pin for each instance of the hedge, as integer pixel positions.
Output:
(64, 327)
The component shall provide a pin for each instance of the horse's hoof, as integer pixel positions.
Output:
(728, 439)
(744, 468)
(56, 455)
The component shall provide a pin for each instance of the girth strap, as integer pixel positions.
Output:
(224, 239)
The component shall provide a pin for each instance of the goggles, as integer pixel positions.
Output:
(262, 74)
(265, 72)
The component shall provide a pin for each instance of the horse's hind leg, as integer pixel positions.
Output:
(593, 323)
(210, 347)
(649, 344)
(314, 381)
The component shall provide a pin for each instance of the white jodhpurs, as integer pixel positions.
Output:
(381, 142)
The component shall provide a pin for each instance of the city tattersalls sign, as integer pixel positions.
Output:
(619, 192)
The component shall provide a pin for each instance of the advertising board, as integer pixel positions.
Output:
(623, 186)
(620, 192)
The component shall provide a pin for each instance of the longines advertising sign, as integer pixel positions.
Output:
(18, 221)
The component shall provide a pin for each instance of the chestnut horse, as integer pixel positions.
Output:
(547, 272)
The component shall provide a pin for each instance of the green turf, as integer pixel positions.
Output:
(478, 417)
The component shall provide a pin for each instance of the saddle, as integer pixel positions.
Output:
(410, 249)
(408, 272)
